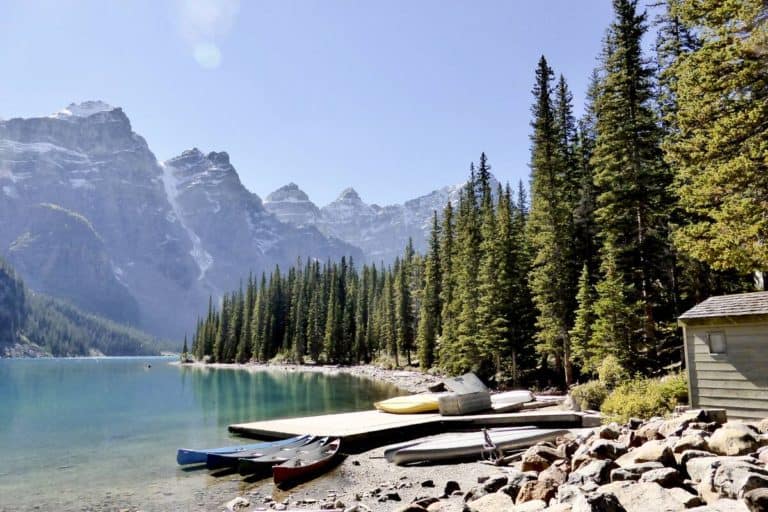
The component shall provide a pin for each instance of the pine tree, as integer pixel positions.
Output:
(258, 320)
(348, 326)
(184, 350)
(615, 317)
(466, 355)
(448, 315)
(719, 148)
(388, 318)
(403, 306)
(360, 348)
(550, 223)
(333, 322)
(222, 333)
(315, 327)
(492, 324)
(632, 181)
(429, 315)
(581, 334)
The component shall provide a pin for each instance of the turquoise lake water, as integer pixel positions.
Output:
(82, 434)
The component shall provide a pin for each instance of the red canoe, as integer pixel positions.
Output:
(307, 464)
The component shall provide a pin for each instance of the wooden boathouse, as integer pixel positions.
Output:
(726, 352)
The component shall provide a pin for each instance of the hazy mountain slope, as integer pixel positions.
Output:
(34, 324)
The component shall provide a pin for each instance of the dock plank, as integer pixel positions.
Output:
(344, 425)
(370, 428)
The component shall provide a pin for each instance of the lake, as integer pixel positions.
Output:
(96, 434)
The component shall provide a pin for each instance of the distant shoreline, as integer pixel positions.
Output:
(406, 380)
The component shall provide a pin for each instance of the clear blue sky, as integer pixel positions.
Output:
(392, 97)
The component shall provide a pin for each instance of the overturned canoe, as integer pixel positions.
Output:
(223, 460)
(200, 456)
(463, 446)
(307, 464)
(410, 404)
(391, 450)
(510, 401)
(254, 465)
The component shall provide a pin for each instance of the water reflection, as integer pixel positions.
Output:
(230, 396)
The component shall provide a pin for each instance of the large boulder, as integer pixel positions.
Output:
(539, 457)
(643, 497)
(734, 438)
(651, 451)
(496, 502)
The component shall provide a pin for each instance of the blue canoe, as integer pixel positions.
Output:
(189, 456)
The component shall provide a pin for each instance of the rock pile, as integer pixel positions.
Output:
(697, 461)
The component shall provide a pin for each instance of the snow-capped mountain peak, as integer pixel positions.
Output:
(83, 109)
(291, 205)
(349, 195)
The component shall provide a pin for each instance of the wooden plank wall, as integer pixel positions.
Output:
(737, 380)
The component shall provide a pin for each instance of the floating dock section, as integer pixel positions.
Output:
(368, 429)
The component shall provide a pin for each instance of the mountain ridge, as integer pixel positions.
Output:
(173, 232)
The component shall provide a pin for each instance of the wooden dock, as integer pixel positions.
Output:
(367, 429)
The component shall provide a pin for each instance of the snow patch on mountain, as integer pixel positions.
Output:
(84, 109)
(199, 254)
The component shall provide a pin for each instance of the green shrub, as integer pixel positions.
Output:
(611, 373)
(645, 398)
(590, 395)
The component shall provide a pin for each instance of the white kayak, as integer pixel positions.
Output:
(467, 445)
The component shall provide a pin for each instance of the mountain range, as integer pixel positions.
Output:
(89, 214)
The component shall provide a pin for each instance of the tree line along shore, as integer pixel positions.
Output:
(646, 204)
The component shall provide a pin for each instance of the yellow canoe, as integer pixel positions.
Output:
(427, 402)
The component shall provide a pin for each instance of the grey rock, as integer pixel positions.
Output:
(690, 442)
(496, 502)
(411, 507)
(634, 471)
(537, 490)
(757, 500)
(606, 449)
(597, 502)
(597, 471)
(495, 483)
(665, 477)
(530, 506)
(450, 487)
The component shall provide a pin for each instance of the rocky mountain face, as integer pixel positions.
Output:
(54, 240)
(382, 232)
(126, 236)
